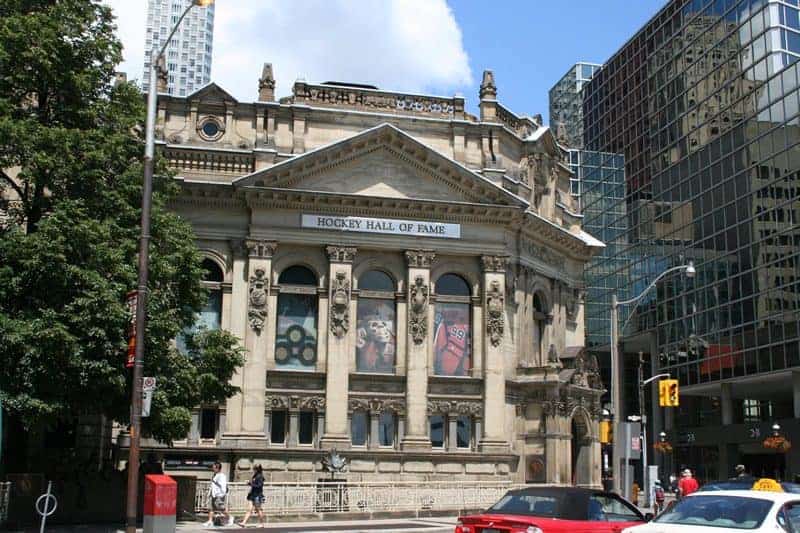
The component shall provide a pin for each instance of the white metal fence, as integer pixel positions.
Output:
(361, 497)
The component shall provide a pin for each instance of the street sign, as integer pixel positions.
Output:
(148, 387)
(636, 444)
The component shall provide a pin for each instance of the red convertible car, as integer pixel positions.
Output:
(554, 509)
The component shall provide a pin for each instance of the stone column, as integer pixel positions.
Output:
(555, 456)
(418, 344)
(294, 426)
(493, 439)
(374, 438)
(254, 376)
(237, 324)
(452, 432)
(340, 343)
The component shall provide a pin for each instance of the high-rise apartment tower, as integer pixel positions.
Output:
(188, 56)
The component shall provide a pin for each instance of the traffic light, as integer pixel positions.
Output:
(668, 395)
(606, 432)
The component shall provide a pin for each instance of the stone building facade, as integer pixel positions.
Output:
(404, 276)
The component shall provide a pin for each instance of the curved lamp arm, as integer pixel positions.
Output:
(690, 271)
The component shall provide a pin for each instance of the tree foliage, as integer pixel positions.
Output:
(71, 184)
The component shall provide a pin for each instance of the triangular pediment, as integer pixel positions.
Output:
(211, 92)
(382, 162)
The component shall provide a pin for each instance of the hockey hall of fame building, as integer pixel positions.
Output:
(404, 276)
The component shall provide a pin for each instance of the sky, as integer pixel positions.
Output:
(430, 46)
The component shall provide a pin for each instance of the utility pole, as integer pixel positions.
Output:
(144, 263)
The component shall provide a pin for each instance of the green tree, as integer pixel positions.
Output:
(71, 182)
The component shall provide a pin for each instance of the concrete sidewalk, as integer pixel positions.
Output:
(410, 525)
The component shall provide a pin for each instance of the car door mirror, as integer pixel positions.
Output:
(648, 516)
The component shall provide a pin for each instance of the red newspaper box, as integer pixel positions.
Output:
(160, 496)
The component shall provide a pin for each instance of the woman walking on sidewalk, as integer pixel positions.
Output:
(256, 497)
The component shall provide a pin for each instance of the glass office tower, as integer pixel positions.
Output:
(703, 103)
(566, 104)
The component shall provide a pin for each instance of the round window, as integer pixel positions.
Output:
(211, 128)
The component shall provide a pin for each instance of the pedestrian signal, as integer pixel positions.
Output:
(668, 395)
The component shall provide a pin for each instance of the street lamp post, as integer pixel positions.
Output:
(616, 393)
(144, 250)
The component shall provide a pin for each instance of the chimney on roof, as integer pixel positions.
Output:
(266, 84)
(488, 94)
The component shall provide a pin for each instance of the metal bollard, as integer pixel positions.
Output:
(45, 499)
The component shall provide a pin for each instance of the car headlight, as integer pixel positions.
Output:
(533, 529)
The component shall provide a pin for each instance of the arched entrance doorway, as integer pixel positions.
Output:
(581, 450)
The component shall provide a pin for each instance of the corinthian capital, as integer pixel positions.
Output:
(260, 249)
(494, 263)
(420, 258)
(341, 254)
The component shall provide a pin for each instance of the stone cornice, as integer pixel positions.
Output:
(352, 204)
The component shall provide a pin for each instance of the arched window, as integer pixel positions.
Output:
(376, 323)
(452, 343)
(210, 316)
(296, 333)
(539, 323)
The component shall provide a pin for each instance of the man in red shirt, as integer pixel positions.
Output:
(687, 484)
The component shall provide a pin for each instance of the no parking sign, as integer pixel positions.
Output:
(148, 386)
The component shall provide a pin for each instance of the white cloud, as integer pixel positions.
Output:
(407, 45)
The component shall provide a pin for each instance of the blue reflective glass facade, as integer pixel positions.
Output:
(703, 103)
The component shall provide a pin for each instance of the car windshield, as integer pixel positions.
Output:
(734, 512)
(526, 504)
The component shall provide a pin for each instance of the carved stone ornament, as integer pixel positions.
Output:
(257, 312)
(572, 304)
(473, 408)
(495, 304)
(420, 258)
(341, 254)
(494, 263)
(259, 249)
(308, 403)
(376, 405)
(340, 304)
(418, 310)
(552, 355)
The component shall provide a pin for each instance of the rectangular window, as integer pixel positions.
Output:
(277, 434)
(306, 430)
(208, 423)
(464, 432)
(386, 429)
(437, 431)
(358, 428)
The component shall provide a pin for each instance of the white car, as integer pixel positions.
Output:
(728, 510)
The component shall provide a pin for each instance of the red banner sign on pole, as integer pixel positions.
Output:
(131, 301)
